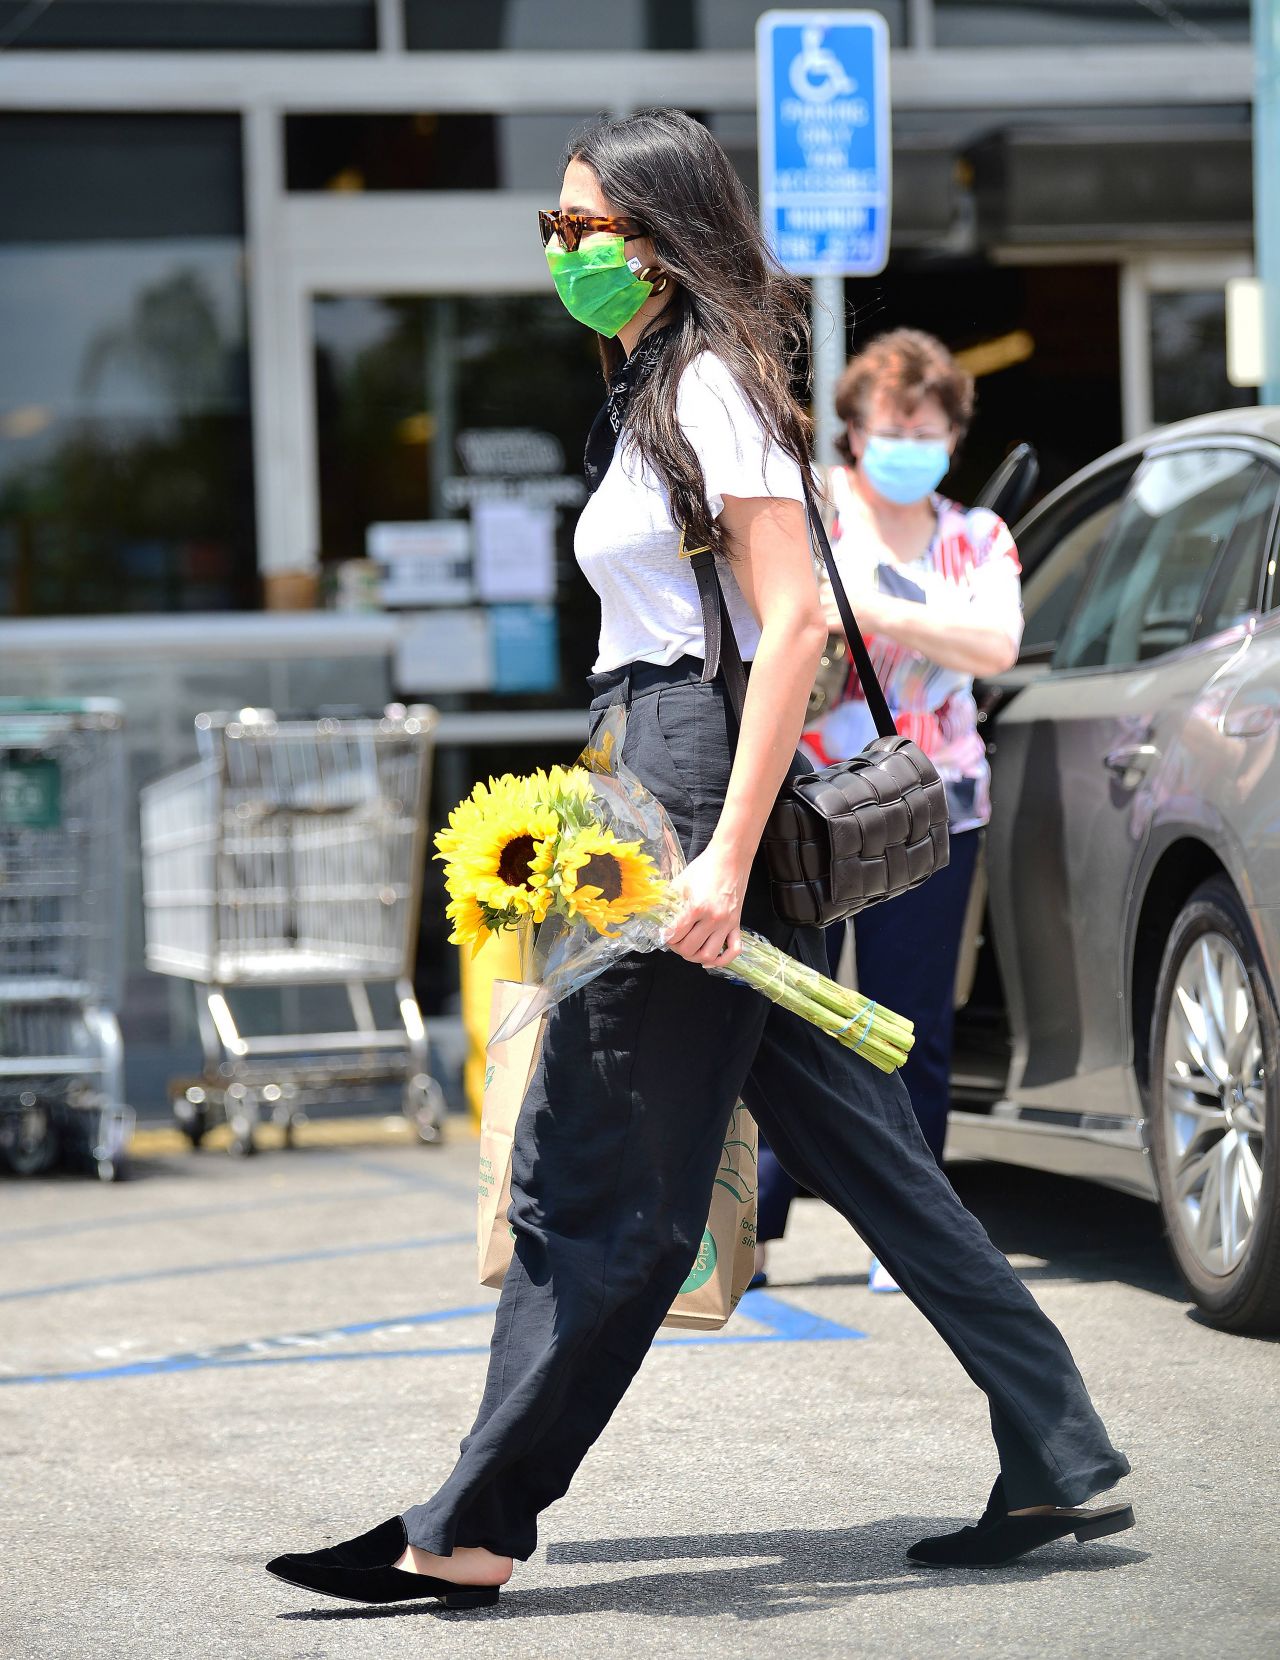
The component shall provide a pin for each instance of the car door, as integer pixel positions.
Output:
(1075, 749)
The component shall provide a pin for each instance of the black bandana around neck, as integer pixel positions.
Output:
(602, 440)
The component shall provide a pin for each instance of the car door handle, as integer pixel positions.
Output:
(1253, 722)
(1127, 758)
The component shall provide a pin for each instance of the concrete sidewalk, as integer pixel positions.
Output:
(220, 1360)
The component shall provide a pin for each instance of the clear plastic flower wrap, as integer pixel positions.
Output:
(574, 943)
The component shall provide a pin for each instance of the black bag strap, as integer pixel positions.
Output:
(721, 643)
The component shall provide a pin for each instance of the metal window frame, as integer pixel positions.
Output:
(1166, 273)
(511, 82)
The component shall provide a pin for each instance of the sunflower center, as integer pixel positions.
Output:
(516, 861)
(601, 871)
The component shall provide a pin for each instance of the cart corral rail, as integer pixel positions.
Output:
(62, 830)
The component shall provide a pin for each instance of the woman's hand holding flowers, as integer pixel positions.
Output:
(708, 928)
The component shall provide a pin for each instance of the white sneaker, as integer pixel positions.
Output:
(879, 1278)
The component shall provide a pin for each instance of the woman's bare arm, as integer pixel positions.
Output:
(948, 635)
(774, 569)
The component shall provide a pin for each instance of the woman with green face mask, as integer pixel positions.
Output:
(700, 446)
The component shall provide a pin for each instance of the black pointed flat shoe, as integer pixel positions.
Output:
(362, 1570)
(1000, 1538)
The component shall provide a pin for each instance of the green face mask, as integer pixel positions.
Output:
(597, 285)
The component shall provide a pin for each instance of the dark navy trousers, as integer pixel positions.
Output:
(615, 1155)
(907, 951)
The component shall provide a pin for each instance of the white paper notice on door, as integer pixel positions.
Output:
(445, 651)
(515, 551)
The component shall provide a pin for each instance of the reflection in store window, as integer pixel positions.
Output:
(424, 151)
(125, 452)
(1089, 22)
(188, 25)
(468, 410)
(1189, 356)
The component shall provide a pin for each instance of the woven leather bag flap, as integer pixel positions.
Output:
(857, 832)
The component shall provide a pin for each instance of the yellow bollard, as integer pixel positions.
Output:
(497, 959)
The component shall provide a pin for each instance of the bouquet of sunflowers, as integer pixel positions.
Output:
(586, 856)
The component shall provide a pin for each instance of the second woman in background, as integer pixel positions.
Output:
(936, 590)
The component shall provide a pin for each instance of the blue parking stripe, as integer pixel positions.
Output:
(784, 1323)
(239, 1265)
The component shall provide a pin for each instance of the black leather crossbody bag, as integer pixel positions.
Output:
(859, 831)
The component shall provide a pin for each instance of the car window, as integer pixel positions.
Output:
(1172, 527)
(1052, 590)
(1233, 591)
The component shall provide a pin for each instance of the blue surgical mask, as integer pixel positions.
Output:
(904, 470)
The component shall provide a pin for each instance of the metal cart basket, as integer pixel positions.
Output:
(291, 856)
(61, 935)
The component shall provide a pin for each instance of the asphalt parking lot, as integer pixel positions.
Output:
(222, 1359)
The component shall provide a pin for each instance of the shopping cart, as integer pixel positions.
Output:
(61, 935)
(290, 856)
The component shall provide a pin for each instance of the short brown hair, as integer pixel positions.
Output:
(908, 366)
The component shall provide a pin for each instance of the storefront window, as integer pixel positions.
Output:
(426, 151)
(189, 25)
(125, 454)
(1189, 355)
(621, 25)
(1089, 22)
(448, 422)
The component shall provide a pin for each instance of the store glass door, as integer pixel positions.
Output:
(1174, 339)
(449, 434)
(447, 410)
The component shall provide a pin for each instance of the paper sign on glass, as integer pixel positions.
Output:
(515, 551)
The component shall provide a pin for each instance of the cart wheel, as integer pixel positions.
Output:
(31, 1147)
(190, 1108)
(243, 1143)
(424, 1106)
(112, 1170)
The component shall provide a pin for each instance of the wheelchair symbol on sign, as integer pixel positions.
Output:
(816, 74)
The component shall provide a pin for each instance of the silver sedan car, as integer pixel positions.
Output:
(1120, 1020)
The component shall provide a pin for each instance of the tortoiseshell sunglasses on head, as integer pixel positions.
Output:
(572, 227)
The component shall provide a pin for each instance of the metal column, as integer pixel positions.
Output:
(1266, 186)
(828, 364)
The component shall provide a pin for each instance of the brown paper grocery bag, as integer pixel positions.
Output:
(508, 1072)
(726, 1259)
(726, 1256)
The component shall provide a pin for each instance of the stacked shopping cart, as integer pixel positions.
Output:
(290, 856)
(61, 945)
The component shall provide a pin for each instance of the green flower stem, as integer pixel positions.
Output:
(872, 1031)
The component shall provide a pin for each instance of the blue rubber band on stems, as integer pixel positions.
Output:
(868, 1014)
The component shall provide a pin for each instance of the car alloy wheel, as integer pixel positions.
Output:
(1215, 1046)
(1215, 1102)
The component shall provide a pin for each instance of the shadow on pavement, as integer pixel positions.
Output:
(1081, 1231)
(805, 1570)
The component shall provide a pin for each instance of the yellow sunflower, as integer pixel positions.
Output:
(494, 862)
(599, 757)
(484, 803)
(605, 881)
(470, 922)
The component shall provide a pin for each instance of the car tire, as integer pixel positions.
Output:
(1215, 1096)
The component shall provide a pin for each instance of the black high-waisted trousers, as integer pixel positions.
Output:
(615, 1155)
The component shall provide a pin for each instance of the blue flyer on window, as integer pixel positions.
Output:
(526, 654)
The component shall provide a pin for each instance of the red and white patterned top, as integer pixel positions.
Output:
(971, 562)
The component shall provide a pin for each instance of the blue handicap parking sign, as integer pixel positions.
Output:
(823, 113)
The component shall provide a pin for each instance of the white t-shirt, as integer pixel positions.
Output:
(628, 544)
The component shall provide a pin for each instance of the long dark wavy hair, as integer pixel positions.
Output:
(665, 170)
